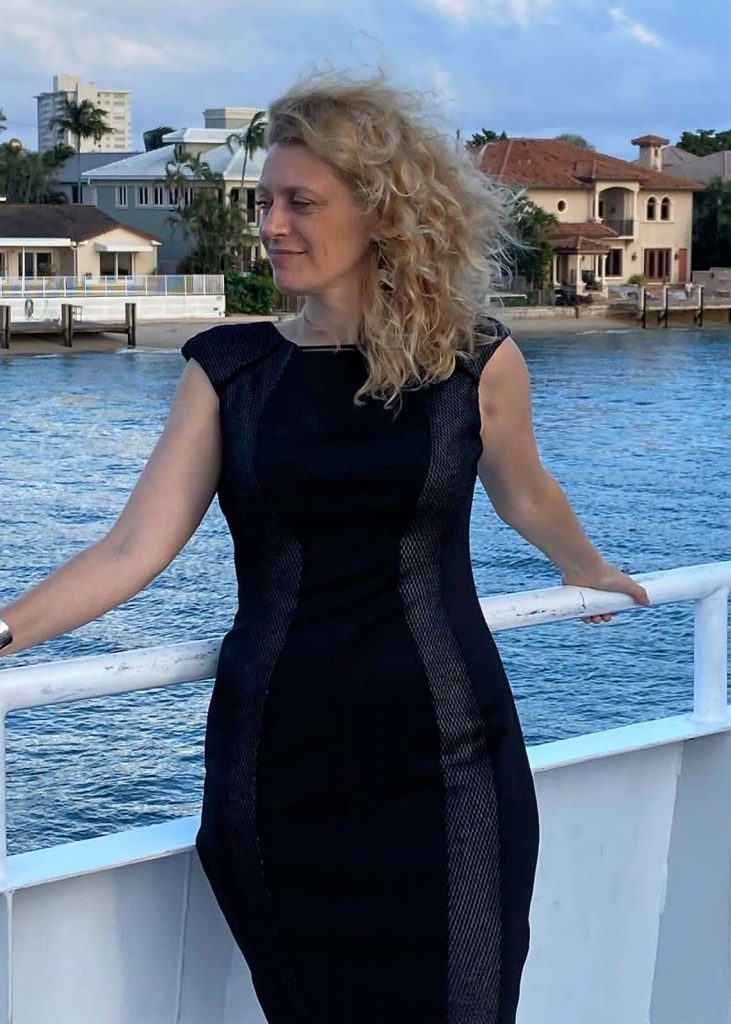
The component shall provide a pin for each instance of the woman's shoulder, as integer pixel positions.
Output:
(489, 333)
(224, 349)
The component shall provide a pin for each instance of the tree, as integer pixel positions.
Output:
(705, 141)
(27, 177)
(153, 137)
(486, 135)
(712, 226)
(3, 119)
(252, 138)
(575, 140)
(217, 231)
(83, 120)
(533, 255)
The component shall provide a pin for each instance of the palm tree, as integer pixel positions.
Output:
(251, 139)
(27, 177)
(83, 120)
(218, 232)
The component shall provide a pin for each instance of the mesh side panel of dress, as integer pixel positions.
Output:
(252, 917)
(474, 910)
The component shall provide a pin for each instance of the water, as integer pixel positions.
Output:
(633, 424)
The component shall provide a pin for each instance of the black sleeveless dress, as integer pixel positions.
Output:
(369, 824)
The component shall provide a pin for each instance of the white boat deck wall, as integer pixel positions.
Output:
(631, 916)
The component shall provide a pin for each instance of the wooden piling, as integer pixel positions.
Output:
(4, 326)
(130, 321)
(67, 324)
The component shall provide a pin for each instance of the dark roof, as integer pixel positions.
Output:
(650, 140)
(74, 221)
(581, 237)
(67, 172)
(552, 163)
(587, 229)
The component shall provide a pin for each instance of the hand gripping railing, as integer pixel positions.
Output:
(707, 585)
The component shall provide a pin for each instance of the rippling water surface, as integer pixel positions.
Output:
(635, 425)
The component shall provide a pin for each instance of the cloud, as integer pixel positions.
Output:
(84, 36)
(635, 29)
(520, 12)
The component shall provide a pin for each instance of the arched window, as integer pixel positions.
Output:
(652, 208)
(665, 208)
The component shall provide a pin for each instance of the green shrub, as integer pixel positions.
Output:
(637, 279)
(251, 293)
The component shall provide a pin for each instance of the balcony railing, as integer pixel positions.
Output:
(152, 284)
(706, 586)
(624, 228)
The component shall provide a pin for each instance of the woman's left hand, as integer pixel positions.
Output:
(606, 577)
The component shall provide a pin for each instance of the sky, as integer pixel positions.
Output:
(607, 71)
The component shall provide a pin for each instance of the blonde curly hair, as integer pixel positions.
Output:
(444, 226)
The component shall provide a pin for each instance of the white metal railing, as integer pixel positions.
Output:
(707, 585)
(76, 287)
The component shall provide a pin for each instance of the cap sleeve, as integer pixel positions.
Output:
(223, 350)
(489, 335)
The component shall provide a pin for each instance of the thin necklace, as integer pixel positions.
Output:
(318, 330)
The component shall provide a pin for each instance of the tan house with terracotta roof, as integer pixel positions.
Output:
(64, 240)
(616, 218)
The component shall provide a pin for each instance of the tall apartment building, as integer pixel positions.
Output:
(114, 101)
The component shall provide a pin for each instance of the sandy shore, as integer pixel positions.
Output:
(167, 334)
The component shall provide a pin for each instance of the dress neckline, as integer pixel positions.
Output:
(313, 348)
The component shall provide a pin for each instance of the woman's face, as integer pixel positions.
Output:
(315, 235)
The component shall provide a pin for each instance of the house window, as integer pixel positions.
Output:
(2, 264)
(115, 264)
(180, 196)
(652, 208)
(143, 195)
(251, 204)
(35, 264)
(665, 208)
(121, 199)
(600, 213)
(561, 205)
(158, 196)
(614, 263)
(657, 264)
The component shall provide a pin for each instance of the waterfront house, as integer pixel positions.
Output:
(134, 192)
(66, 176)
(701, 168)
(617, 218)
(47, 241)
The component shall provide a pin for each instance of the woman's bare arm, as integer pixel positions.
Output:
(163, 511)
(524, 494)
(522, 491)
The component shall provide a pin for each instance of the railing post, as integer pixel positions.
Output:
(710, 657)
(3, 800)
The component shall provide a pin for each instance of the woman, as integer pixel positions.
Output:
(369, 824)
